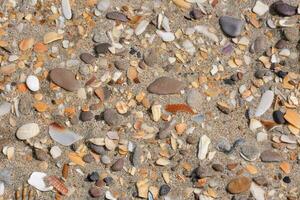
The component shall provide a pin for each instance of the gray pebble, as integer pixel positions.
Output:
(111, 117)
(231, 26)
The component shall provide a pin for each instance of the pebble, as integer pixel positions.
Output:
(287, 179)
(261, 180)
(136, 156)
(291, 34)
(164, 190)
(108, 180)
(25, 105)
(284, 9)
(102, 48)
(105, 159)
(5, 108)
(97, 149)
(281, 44)
(265, 103)
(88, 158)
(86, 116)
(260, 45)
(141, 27)
(96, 192)
(28, 131)
(278, 117)
(257, 192)
(122, 64)
(55, 152)
(261, 136)
(118, 165)
(40, 155)
(66, 9)
(111, 117)
(270, 156)
(260, 73)
(223, 145)
(196, 14)
(166, 36)
(203, 147)
(165, 85)
(152, 58)
(250, 152)
(239, 185)
(231, 26)
(115, 15)
(93, 177)
(87, 58)
(103, 5)
(218, 167)
(260, 8)
(65, 79)
(33, 83)
(194, 99)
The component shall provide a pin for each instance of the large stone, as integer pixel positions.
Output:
(239, 185)
(165, 85)
(65, 79)
(231, 26)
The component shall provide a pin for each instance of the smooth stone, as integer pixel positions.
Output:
(284, 9)
(261, 180)
(33, 83)
(192, 139)
(118, 165)
(261, 136)
(257, 192)
(218, 167)
(281, 44)
(278, 117)
(115, 15)
(194, 99)
(66, 9)
(94, 176)
(97, 149)
(108, 180)
(55, 152)
(103, 5)
(165, 85)
(28, 131)
(65, 79)
(239, 185)
(122, 64)
(84, 70)
(291, 34)
(164, 190)
(87, 58)
(136, 156)
(4, 108)
(203, 172)
(88, 158)
(260, 73)
(102, 48)
(152, 58)
(196, 14)
(249, 152)
(260, 8)
(223, 145)
(270, 156)
(96, 192)
(260, 45)
(111, 117)
(41, 155)
(25, 105)
(231, 26)
(86, 116)
(105, 159)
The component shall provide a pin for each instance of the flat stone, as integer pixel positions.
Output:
(239, 185)
(278, 117)
(137, 156)
(33, 83)
(94, 176)
(152, 58)
(291, 34)
(118, 165)
(218, 167)
(97, 149)
(115, 15)
(66, 9)
(281, 44)
(231, 26)
(102, 48)
(40, 155)
(122, 64)
(96, 192)
(257, 192)
(165, 85)
(194, 99)
(196, 14)
(270, 156)
(260, 8)
(164, 190)
(111, 117)
(261, 180)
(284, 9)
(28, 131)
(55, 152)
(87, 58)
(105, 159)
(88, 158)
(260, 45)
(86, 116)
(65, 79)
(25, 104)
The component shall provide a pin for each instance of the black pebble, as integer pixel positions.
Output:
(287, 179)
(94, 176)
(278, 117)
(108, 180)
(282, 74)
(164, 190)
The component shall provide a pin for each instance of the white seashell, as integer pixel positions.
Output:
(109, 144)
(285, 52)
(103, 5)
(254, 124)
(265, 103)
(271, 23)
(55, 152)
(156, 112)
(260, 8)
(108, 195)
(166, 36)
(28, 131)
(33, 83)
(141, 27)
(62, 135)
(205, 31)
(257, 192)
(203, 147)
(2, 188)
(288, 139)
(166, 24)
(5, 108)
(97, 141)
(113, 135)
(37, 180)
(66, 9)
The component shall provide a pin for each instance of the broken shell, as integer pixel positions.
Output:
(28, 131)
(203, 147)
(62, 135)
(265, 103)
(37, 180)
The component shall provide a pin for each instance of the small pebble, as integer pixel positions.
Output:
(164, 190)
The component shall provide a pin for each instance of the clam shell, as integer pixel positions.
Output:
(28, 131)
(62, 135)
(265, 103)
(37, 180)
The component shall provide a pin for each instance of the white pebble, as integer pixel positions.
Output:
(66, 9)
(103, 5)
(33, 83)
(260, 8)
(55, 152)
(166, 36)
(141, 27)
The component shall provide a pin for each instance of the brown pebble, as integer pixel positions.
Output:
(239, 185)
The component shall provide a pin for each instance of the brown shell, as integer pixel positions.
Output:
(58, 184)
(174, 108)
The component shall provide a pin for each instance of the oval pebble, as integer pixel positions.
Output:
(165, 85)
(33, 83)
(28, 131)
(103, 5)
(231, 26)
(66, 9)
(65, 79)
(87, 58)
(115, 15)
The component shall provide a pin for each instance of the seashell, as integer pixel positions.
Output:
(265, 103)
(109, 144)
(63, 135)
(36, 180)
(5, 108)
(65, 171)
(51, 37)
(156, 112)
(55, 152)
(174, 108)
(97, 141)
(66, 9)
(166, 36)
(203, 147)
(141, 27)
(57, 184)
(113, 135)
(163, 162)
(205, 31)
(28, 131)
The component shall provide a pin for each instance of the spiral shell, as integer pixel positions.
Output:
(58, 184)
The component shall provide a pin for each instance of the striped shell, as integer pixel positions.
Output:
(58, 184)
